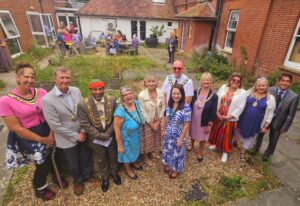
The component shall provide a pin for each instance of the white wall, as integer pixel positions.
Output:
(96, 25)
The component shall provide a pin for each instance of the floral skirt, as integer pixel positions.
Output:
(21, 151)
(151, 139)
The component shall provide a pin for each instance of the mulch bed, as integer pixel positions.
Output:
(153, 186)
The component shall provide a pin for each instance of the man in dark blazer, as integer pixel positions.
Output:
(60, 111)
(96, 117)
(286, 106)
(172, 45)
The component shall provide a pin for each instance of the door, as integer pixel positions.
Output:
(134, 28)
(142, 30)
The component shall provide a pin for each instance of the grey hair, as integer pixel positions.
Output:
(62, 70)
(125, 89)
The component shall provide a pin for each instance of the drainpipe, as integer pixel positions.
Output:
(213, 40)
(41, 5)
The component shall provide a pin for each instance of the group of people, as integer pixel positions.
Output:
(69, 39)
(95, 134)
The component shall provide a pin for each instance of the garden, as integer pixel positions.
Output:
(208, 183)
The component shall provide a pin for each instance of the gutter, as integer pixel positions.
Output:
(215, 29)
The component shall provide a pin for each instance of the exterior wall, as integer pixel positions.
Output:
(277, 36)
(18, 9)
(96, 25)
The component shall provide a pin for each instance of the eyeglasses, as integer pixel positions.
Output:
(236, 80)
(177, 68)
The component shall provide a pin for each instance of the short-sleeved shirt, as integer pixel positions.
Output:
(183, 79)
(29, 115)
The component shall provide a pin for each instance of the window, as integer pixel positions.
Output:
(67, 18)
(42, 28)
(231, 29)
(169, 23)
(11, 32)
(293, 56)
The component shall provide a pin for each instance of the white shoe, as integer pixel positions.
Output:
(224, 157)
(212, 147)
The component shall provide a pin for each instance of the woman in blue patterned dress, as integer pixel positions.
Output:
(178, 117)
(128, 121)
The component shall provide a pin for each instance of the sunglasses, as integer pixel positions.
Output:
(236, 80)
(177, 68)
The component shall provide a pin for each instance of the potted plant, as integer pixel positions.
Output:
(156, 31)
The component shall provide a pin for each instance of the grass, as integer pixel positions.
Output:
(85, 68)
(34, 54)
(2, 84)
(13, 183)
(231, 188)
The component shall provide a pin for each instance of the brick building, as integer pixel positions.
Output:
(263, 35)
(22, 21)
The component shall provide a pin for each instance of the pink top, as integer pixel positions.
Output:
(29, 115)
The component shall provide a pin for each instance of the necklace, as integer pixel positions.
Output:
(140, 123)
(23, 100)
(254, 104)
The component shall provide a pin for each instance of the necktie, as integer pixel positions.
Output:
(176, 81)
(278, 98)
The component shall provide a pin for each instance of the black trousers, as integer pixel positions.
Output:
(42, 170)
(79, 162)
(171, 55)
(273, 139)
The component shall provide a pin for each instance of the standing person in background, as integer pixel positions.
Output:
(5, 59)
(286, 106)
(178, 77)
(171, 46)
(29, 134)
(96, 117)
(177, 120)
(135, 44)
(204, 109)
(128, 122)
(231, 103)
(72, 27)
(152, 105)
(257, 115)
(92, 41)
(60, 110)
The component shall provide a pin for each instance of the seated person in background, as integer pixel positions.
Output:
(124, 39)
(102, 38)
(92, 40)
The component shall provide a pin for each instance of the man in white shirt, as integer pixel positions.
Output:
(177, 77)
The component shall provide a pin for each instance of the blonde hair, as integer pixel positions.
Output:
(149, 76)
(206, 74)
(253, 89)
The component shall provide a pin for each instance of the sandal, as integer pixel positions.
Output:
(137, 167)
(167, 169)
(242, 157)
(173, 175)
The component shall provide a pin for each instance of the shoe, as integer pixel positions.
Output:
(78, 188)
(224, 157)
(265, 158)
(134, 177)
(172, 176)
(166, 169)
(253, 152)
(117, 179)
(242, 157)
(105, 185)
(200, 159)
(45, 194)
(64, 182)
(212, 147)
(92, 180)
(190, 149)
(140, 167)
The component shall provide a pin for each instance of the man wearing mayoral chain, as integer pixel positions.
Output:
(96, 117)
(60, 111)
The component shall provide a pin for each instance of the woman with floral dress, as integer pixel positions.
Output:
(178, 117)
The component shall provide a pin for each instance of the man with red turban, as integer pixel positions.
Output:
(96, 117)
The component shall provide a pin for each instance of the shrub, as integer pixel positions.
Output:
(2, 84)
(213, 62)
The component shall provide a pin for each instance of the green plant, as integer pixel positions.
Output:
(296, 88)
(272, 78)
(157, 31)
(2, 84)
(18, 174)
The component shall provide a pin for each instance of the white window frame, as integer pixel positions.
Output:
(159, 1)
(43, 33)
(287, 62)
(67, 15)
(7, 34)
(190, 29)
(228, 29)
